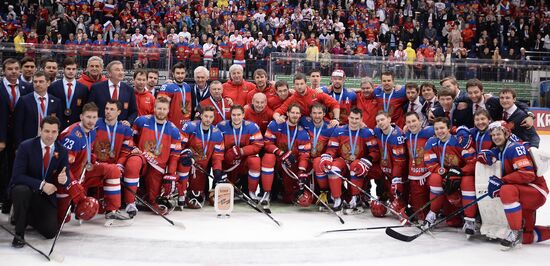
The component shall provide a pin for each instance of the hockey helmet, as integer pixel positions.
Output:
(305, 199)
(502, 125)
(378, 209)
(87, 208)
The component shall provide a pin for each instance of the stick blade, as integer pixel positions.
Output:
(179, 225)
(394, 234)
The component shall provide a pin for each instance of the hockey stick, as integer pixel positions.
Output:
(67, 214)
(243, 196)
(172, 222)
(402, 218)
(294, 176)
(402, 237)
(57, 258)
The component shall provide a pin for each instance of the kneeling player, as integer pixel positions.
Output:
(351, 149)
(452, 170)
(521, 191)
(243, 141)
(287, 146)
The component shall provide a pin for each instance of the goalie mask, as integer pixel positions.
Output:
(502, 126)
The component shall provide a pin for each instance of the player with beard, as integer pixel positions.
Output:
(204, 144)
(391, 98)
(286, 143)
(258, 112)
(179, 94)
(216, 101)
(158, 142)
(416, 137)
(346, 98)
(350, 148)
(452, 168)
(521, 191)
(319, 133)
(262, 85)
(367, 102)
(80, 139)
(244, 141)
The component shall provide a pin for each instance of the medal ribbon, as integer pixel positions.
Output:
(205, 143)
(316, 134)
(221, 112)
(480, 143)
(501, 157)
(387, 105)
(290, 142)
(386, 143)
(113, 136)
(158, 137)
(183, 95)
(339, 99)
(442, 156)
(413, 149)
(238, 137)
(352, 143)
(88, 147)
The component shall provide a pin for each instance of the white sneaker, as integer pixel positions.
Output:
(131, 209)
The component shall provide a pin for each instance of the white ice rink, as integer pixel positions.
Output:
(250, 238)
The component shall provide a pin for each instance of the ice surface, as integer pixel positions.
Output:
(250, 238)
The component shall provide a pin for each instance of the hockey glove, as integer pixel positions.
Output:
(232, 157)
(397, 186)
(360, 167)
(288, 159)
(218, 176)
(76, 192)
(237, 151)
(451, 184)
(487, 157)
(463, 136)
(186, 157)
(326, 162)
(494, 186)
(303, 176)
(168, 186)
(120, 167)
(454, 171)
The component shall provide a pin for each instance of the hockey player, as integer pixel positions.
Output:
(158, 141)
(282, 94)
(145, 100)
(452, 169)
(244, 141)
(286, 144)
(203, 143)
(319, 133)
(79, 139)
(305, 97)
(258, 112)
(393, 160)
(179, 94)
(521, 191)
(367, 102)
(415, 139)
(113, 144)
(350, 148)
(346, 98)
(220, 104)
(391, 99)
(262, 85)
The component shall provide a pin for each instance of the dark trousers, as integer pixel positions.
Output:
(35, 209)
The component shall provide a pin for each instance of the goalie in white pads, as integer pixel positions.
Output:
(521, 191)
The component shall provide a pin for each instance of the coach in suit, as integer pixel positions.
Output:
(72, 94)
(514, 116)
(115, 89)
(41, 166)
(200, 90)
(11, 91)
(33, 108)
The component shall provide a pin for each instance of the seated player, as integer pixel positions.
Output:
(452, 169)
(521, 191)
(244, 141)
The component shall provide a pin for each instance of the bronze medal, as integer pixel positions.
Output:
(352, 157)
(441, 170)
(157, 152)
(89, 167)
(112, 154)
(184, 110)
(313, 151)
(413, 163)
(67, 112)
(384, 162)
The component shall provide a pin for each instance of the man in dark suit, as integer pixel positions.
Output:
(447, 107)
(33, 107)
(11, 90)
(72, 93)
(40, 167)
(514, 116)
(115, 89)
(415, 102)
(200, 90)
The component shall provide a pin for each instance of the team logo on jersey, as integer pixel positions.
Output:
(451, 160)
(151, 145)
(101, 150)
(78, 134)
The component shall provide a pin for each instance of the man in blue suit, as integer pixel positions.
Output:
(115, 89)
(33, 107)
(72, 93)
(40, 168)
(11, 91)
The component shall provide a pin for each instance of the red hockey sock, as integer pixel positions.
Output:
(267, 178)
(358, 181)
(513, 215)
(253, 180)
(468, 197)
(182, 183)
(322, 181)
(111, 190)
(335, 184)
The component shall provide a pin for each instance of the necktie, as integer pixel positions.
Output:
(46, 158)
(69, 90)
(412, 107)
(115, 93)
(447, 114)
(505, 115)
(43, 107)
(476, 107)
(14, 95)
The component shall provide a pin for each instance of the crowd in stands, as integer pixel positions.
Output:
(200, 32)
